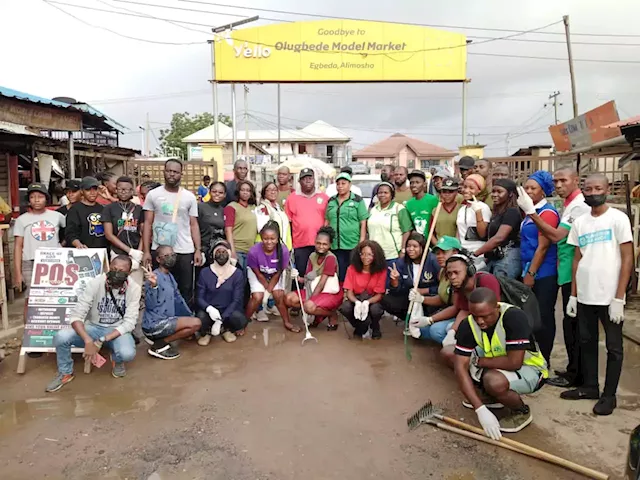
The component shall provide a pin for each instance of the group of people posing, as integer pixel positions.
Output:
(206, 268)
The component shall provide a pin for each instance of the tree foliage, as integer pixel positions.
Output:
(183, 125)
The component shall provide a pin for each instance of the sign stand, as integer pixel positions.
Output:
(59, 277)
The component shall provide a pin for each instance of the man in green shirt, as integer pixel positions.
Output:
(347, 215)
(421, 206)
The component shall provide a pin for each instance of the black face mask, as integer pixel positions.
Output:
(170, 260)
(117, 279)
(221, 257)
(595, 200)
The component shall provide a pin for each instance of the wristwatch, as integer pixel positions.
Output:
(532, 274)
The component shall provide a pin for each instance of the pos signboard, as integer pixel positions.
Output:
(59, 277)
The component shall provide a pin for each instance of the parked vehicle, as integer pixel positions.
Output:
(366, 183)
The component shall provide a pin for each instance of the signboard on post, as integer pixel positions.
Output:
(59, 277)
(587, 129)
(340, 51)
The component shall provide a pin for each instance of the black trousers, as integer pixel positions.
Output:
(361, 327)
(183, 272)
(546, 291)
(237, 321)
(344, 260)
(588, 316)
(301, 257)
(571, 339)
(397, 305)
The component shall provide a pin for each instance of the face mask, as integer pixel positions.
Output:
(170, 260)
(116, 278)
(595, 200)
(221, 257)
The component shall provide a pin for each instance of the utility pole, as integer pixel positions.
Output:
(278, 123)
(574, 98)
(234, 123)
(554, 97)
(506, 146)
(464, 112)
(146, 134)
(246, 120)
(214, 92)
(473, 136)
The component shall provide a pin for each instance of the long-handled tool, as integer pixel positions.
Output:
(416, 281)
(305, 320)
(433, 416)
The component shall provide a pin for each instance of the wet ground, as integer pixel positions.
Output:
(267, 408)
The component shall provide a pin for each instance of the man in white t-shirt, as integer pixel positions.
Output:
(601, 270)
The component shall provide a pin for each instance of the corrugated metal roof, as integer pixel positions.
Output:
(625, 123)
(85, 107)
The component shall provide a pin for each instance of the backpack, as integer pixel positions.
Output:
(519, 295)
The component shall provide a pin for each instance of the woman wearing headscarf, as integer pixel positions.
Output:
(539, 257)
(502, 250)
(220, 297)
(473, 218)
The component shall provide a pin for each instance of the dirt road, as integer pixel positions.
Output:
(267, 408)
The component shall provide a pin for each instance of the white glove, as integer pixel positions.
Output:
(136, 255)
(265, 298)
(216, 327)
(135, 265)
(572, 307)
(616, 311)
(475, 205)
(357, 309)
(294, 274)
(415, 296)
(420, 322)
(364, 310)
(414, 331)
(214, 313)
(525, 203)
(489, 423)
(450, 339)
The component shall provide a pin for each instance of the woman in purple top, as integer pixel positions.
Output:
(266, 263)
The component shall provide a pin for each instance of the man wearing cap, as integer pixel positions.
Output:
(73, 195)
(403, 191)
(347, 215)
(466, 165)
(284, 184)
(203, 188)
(421, 206)
(306, 209)
(446, 223)
(37, 228)
(332, 189)
(84, 221)
(436, 181)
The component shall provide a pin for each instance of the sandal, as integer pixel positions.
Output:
(332, 328)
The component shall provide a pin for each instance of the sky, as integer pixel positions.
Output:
(48, 53)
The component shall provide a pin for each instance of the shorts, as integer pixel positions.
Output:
(325, 301)
(256, 287)
(161, 329)
(524, 381)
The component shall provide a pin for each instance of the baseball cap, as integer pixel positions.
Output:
(37, 187)
(450, 184)
(344, 176)
(72, 184)
(89, 183)
(446, 243)
(466, 163)
(417, 173)
(306, 172)
(440, 173)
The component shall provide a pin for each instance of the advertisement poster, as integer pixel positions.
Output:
(60, 275)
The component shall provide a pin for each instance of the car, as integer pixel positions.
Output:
(366, 183)
(359, 168)
(633, 458)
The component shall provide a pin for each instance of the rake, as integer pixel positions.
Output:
(305, 319)
(429, 414)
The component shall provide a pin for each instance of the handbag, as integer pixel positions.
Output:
(332, 285)
(166, 233)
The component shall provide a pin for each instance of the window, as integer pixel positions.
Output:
(411, 164)
(302, 149)
(429, 163)
(330, 151)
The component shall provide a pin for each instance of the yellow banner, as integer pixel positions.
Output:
(340, 51)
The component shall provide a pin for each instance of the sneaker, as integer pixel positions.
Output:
(60, 381)
(229, 337)
(147, 340)
(516, 421)
(262, 316)
(488, 402)
(163, 350)
(559, 381)
(204, 340)
(376, 335)
(605, 406)
(274, 311)
(580, 394)
(118, 370)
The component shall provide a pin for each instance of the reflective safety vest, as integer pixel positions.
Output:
(496, 347)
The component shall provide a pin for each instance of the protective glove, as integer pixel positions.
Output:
(415, 296)
(265, 299)
(135, 265)
(616, 311)
(420, 322)
(572, 307)
(357, 309)
(364, 310)
(136, 255)
(214, 313)
(525, 203)
(475, 205)
(450, 339)
(414, 331)
(294, 274)
(489, 423)
(216, 327)
(311, 276)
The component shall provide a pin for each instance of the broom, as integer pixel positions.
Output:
(416, 281)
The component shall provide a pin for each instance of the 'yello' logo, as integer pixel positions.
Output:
(258, 51)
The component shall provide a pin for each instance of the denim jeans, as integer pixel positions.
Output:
(242, 263)
(123, 347)
(437, 331)
(509, 266)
